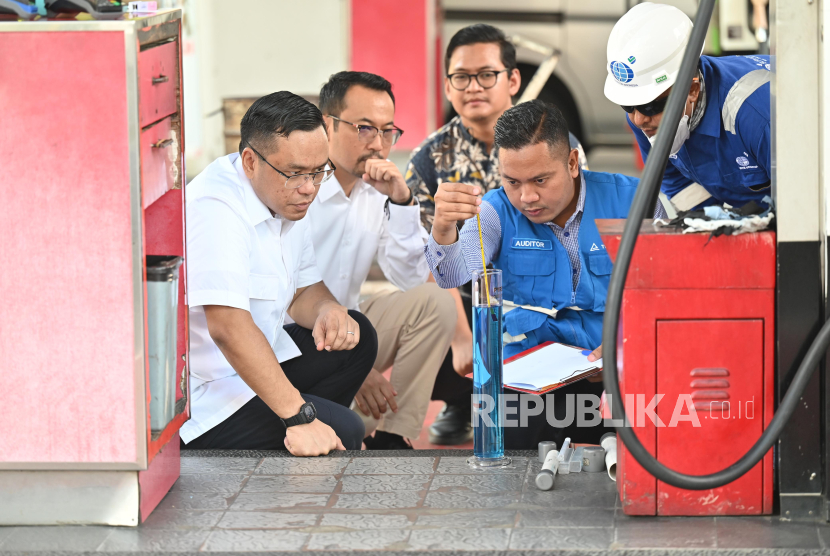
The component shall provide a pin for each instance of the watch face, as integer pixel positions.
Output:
(308, 412)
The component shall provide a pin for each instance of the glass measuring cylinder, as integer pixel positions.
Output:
(488, 425)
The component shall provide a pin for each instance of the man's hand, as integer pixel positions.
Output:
(312, 439)
(384, 176)
(334, 329)
(453, 202)
(374, 394)
(596, 354)
(462, 351)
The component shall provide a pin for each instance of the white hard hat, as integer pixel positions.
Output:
(644, 53)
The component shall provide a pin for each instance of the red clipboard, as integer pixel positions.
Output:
(552, 387)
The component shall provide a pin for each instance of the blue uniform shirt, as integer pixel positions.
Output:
(538, 266)
(728, 153)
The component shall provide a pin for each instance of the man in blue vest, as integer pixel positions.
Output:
(721, 148)
(539, 229)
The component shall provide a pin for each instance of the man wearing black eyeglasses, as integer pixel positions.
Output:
(482, 79)
(367, 212)
(257, 382)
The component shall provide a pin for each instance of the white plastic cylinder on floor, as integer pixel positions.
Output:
(609, 443)
(162, 313)
(544, 480)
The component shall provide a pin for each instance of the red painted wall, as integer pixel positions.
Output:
(392, 38)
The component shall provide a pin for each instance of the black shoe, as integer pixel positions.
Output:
(452, 426)
(386, 441)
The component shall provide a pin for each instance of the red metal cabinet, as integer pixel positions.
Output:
(92, 184)
(716, 364)
(697, 326)
(159, 160)
(158, 82)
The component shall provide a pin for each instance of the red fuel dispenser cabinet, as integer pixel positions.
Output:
(697, 326)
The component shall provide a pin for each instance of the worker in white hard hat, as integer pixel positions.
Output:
(721, 149)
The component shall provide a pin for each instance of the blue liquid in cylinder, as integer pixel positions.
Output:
(488, 437)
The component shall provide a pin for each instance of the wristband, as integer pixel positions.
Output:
(405, 203)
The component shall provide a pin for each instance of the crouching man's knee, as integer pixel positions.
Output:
(351, 430)
(367, 347)
(346, 424)
(438, 307)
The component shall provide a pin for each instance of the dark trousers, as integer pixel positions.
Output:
(450, 387)
(328, 379)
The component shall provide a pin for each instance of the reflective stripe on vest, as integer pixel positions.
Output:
(739, 92)
(690, 197)
(509, 306)
(549, 312)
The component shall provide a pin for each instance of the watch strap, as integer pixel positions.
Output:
(298, 419)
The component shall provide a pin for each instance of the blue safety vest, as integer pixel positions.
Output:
(728, 153)
(536, 270)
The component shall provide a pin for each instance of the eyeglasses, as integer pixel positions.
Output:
(649, 109)
(298, 180)
(487, 79)
(367, 133)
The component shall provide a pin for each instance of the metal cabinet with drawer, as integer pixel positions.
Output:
(92, 186)
(696, 366)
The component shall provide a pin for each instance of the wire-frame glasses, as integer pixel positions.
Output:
(367, 133)
(297, 180)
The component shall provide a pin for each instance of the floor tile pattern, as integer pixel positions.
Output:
(406, 502)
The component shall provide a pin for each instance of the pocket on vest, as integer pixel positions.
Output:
(600, 264)
(526, 264)
(531, 277)
(600, 267)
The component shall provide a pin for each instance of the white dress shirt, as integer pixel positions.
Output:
(238, 255)
(349, 231)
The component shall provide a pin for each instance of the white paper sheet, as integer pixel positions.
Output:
(550, 365)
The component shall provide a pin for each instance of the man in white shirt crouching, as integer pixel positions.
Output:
(367, 210)
(255, 383)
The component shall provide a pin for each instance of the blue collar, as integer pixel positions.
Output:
(711, 123)
(580, 204)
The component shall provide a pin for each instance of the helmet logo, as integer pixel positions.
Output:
(662, 78)
(621, 72)
(631, 59)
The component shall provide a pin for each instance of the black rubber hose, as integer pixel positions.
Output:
(640, 210)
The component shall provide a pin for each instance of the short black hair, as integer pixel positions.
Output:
(277, 115)
(334, 91)
(530, 123)
(482, 33)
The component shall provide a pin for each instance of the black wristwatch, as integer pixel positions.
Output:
(307, 414)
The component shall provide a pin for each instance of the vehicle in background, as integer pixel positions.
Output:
(579, 29)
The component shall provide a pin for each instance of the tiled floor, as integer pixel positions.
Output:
(405, 502)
